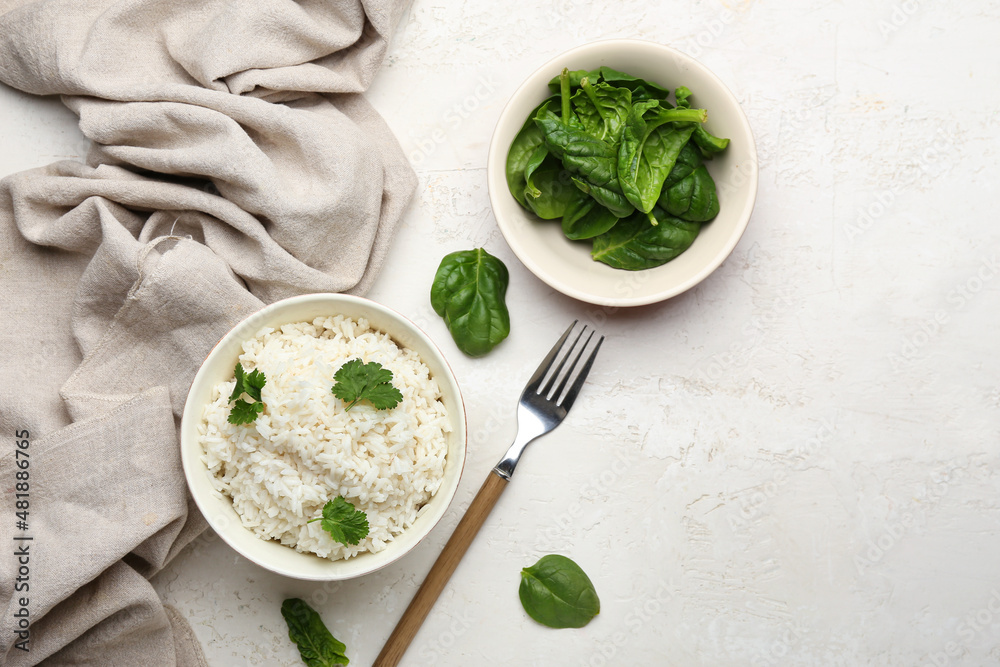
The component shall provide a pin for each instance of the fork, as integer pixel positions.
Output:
(539, 410)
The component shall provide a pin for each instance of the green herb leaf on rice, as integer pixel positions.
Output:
(245, 412)
(357, 381)
(345, 523)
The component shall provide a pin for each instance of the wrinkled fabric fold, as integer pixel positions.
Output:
(234, 162)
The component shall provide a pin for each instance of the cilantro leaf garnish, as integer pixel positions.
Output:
(358, 381)
(345, 524)
(247, 383)
(244, 412)
(316, 645)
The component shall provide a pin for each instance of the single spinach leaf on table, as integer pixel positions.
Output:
(317, 646)
(651, 141)
(595, 160)
(692, 198)
(468, 292)
(634, 244)
(556, 592)
(584, 218)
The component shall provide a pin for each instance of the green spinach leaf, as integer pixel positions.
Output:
(534, 162)
(521, 149)
(556, 592)
(317, 646)
(548, 188)
(634, 244)
(692, 198)
(651, 141)
(468, 292)
(688, 160)
(602, 109)
(595, 160)
(584, 218)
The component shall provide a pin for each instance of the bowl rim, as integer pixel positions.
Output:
(192, 464)
(539, 270)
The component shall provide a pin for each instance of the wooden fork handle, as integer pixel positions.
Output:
(441, 571)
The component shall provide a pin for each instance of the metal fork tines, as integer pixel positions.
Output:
(542, 407)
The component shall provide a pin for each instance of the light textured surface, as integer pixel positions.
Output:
(794, 463)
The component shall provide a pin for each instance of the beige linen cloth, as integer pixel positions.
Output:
(234, 162)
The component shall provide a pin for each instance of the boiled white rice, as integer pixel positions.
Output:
(305, 449)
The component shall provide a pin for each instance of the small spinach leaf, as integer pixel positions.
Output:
(317, 646)
(468, 292)
(633, 243)
(556, 592)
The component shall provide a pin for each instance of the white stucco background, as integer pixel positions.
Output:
(794, 463)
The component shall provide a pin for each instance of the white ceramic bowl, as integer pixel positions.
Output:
(218, 366)
(567, 266)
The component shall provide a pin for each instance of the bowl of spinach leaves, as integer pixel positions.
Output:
(622, 172)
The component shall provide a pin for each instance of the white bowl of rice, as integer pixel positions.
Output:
(259, 484)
